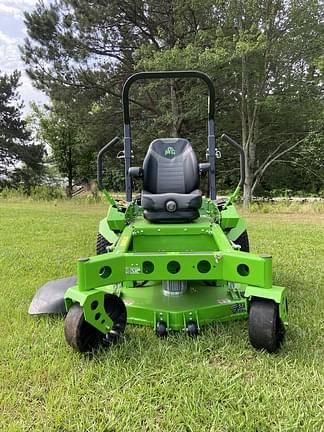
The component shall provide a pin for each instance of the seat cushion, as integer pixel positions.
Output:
(158, 202)
(170, 165)
(163, 217)
(170, 182)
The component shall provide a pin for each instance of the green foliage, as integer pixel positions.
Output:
(264, 58)
(46, 193)
(114, 179)
(58, 128)
(13, 193)
(35, 193)
(15, 145)
(26, 177)
(286, 206)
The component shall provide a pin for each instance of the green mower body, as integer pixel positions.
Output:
(172, 259)
(144, 259)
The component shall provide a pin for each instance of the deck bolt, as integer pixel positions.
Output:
(265, 256)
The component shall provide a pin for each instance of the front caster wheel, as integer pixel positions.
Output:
(192, 329)
(112, 338)
(266, 330)
(117, 312)
(81, 335)
(161, 329)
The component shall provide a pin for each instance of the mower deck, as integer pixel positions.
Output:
(204, 304)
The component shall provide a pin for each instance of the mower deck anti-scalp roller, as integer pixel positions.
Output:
(173, 259)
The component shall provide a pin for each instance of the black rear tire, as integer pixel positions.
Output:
(101, 244)
(79, 334)
(266, 330)
(243, 241)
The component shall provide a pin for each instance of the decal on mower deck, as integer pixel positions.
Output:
(238, 307)
(133, 269)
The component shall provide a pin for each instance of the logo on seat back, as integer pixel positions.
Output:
(170, 151)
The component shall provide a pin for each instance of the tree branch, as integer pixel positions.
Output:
(271, 161)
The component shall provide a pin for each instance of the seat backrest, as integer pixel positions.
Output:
(170, 165)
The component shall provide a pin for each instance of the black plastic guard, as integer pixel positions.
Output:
(49, 298)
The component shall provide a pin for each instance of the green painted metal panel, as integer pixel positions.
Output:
(112, 268)
(92, 303)
(235, 232)
(195, 252)
(116, 219)
(222, 242)
(173, 243)
(124, 241)
(106, 232)
(276, 293)
(147, 305)
(229, 217)
(144, 227)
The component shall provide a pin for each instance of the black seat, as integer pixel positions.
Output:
(170, 182)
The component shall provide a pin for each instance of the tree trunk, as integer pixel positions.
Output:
(70, 174)
(247, 190)
(69, 187)
(246, 142)
(252, 93)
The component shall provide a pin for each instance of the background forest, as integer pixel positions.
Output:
(265, 58)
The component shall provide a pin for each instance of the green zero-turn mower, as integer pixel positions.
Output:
(170, 259)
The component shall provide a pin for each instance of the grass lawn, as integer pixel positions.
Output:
(214, 383)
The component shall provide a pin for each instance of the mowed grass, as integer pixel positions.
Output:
(217, 382)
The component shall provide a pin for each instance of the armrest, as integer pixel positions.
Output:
(203, 167)
(135, 172)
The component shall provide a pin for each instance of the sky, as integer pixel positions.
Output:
(12, 34)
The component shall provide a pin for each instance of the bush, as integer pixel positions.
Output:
(286, 206)
(46, 193)
(37, 193)
(115, 180)
(12, 193)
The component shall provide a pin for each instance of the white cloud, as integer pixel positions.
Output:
(29, 93)
(21, 3)
(12, 33)
(15, 12)
(6, 40)
(9, 53)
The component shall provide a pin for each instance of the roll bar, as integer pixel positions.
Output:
(211, 122)
(100, 156)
